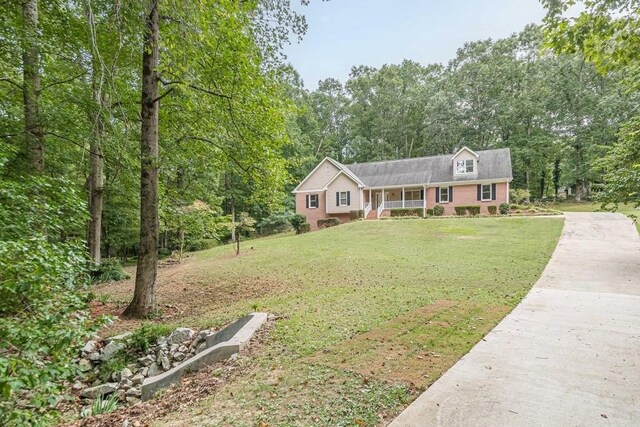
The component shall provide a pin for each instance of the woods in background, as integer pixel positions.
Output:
(556, 113)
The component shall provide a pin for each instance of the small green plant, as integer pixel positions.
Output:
(297, 221)
(305, 228)
(519, 196)
(108, 270)
(146, 336)
(438, 210)
(103, 298)
(492, 209)
(116, 363)
(504, 208)
(101, 406)
(429, 212)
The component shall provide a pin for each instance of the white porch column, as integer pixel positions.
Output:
(424, 199)
(403, 197)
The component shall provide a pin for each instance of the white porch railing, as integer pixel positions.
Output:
(401, 204)
(380, 209)
(367, 209)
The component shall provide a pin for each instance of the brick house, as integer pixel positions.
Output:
(466, 178)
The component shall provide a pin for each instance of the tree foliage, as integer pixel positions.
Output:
(607, 33)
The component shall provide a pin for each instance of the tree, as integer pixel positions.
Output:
(33, 131)
(606, 32)
(244, 225)
(144, 296)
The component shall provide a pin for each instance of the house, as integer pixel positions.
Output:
(466, 178)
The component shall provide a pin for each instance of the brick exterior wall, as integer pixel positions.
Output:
(312, 214)
(467, 195)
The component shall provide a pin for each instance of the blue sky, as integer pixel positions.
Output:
(344, 33)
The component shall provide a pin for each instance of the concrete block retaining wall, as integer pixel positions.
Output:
(220, 346)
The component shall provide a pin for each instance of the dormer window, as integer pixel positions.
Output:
(464, 166)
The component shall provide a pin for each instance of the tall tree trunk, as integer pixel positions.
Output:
(180, 184)
(96, 195)
(144, 297)
(34, 134)
(96, 175)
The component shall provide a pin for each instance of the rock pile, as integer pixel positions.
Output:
(168, 352)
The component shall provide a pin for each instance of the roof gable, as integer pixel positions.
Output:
(467, 149)
(319, 178)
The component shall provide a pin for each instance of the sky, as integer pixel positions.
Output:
(344, 33)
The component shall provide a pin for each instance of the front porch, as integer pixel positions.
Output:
(377, 201)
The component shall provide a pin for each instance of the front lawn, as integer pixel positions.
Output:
(371, 312)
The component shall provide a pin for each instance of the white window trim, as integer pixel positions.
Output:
(473, 166)
(482, 199)
(346, 199)
(317, 201)
(440, 195)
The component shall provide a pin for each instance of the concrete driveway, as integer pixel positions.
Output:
(568, 355)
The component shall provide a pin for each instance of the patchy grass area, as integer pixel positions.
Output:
(372, 312)
(628, 210)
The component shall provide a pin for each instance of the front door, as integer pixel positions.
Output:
(378, 200)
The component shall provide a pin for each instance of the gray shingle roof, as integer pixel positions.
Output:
(492, 164)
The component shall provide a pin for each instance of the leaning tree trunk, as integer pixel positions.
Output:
(33, 132)
(144, 297)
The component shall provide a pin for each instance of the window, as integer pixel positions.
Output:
(444, 194)
(412, 195)
(327, 168)
(343, 198)
(464, 166)
(313, 200)
(486, 192)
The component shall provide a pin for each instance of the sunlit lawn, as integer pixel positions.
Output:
(373, 312)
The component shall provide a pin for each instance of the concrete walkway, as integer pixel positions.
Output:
(568, 355)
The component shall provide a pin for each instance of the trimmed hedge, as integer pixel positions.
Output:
(429, 212)
(492, 209)
(471, 210)
(460, 210)
(356, 215)
(328, 222)
(438, 210)
(304, 228)
(408, 212)
(504, 208)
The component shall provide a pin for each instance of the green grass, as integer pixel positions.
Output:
(414, 291)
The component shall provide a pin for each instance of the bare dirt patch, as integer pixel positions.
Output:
(184, 290)
(416, 348)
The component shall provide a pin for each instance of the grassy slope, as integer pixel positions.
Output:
(373, 313)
